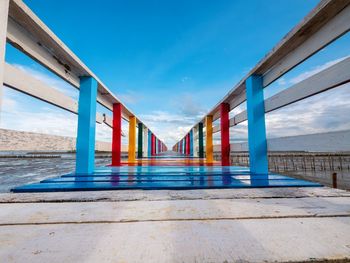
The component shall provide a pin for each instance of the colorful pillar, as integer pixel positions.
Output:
(85, 157)
(225, 134)
(191, 143)
(117, 134)
(145, 142)
(256, 125)
(200, 140)
(140, 141)
(153, 144)
(149, 149)
(209, 138)
(132, 139)
(195, 141)
(184, 145)
(188, 144)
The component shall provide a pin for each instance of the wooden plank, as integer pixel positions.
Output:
(328, 78)
(74, 212)
(335, 28)
(325, 23)
(17, 79)
(30, 35)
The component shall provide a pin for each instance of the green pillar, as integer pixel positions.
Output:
(200, 140)
(139, 141)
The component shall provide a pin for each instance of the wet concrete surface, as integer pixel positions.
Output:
(19, 171)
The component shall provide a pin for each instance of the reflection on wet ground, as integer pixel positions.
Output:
(163, 173)
(19, 171)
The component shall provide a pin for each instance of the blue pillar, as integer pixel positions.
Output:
(149, 143)
(191, 143)
(256, 125)
(85, 158)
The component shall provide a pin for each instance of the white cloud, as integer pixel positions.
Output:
(314, 71)
(130, 97)
(50, 80)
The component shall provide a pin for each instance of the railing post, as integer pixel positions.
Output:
(117, 134)
(191, 143)
(188, 144)
(145, 142)
(152, 145)
(256, 125)
(85, 156)
(209, 138)
(200, 140)
(4, 9)
(225, 134)
(149, 149)
(132, 139)
(195, 141)
(140, 141)
(155, 146)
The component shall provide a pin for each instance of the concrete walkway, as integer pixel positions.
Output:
(227, 225)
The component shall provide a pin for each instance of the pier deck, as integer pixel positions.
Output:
(164, 172)
(216, 225)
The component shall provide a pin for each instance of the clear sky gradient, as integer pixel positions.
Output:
(171, 61)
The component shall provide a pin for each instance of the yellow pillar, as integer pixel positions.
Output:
(132, 139)
(209, 138)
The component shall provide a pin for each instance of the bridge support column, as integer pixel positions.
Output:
(140, 141)
(256, 125)
(117, 134)
(149, 148)
(85, 156)
(195, 141)
(225, 134)
(145, 142)
(200, 140)
(188, 144)
(4, 9)
(191, 143)
(153, 144)
(209, 138)
(132, 139)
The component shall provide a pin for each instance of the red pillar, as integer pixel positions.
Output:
(152, 144)
(117, 134)
(225, 134)
(188, 144)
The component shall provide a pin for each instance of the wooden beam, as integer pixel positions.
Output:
(328, 78)
(324, 24)
(324, 33)
(30, 35)
(18, 80)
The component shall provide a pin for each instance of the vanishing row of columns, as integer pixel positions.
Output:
(147, 143)
(256, 131)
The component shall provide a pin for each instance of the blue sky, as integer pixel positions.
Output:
(171, 61)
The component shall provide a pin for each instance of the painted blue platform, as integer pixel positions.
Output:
(163, 177)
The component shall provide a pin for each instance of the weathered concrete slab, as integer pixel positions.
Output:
(135, 195)
(231, 225)
(172, 210)
(264, 240)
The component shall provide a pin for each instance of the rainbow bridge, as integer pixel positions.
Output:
(190, 163)
(175, 203)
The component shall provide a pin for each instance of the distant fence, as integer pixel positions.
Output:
(338, 141)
